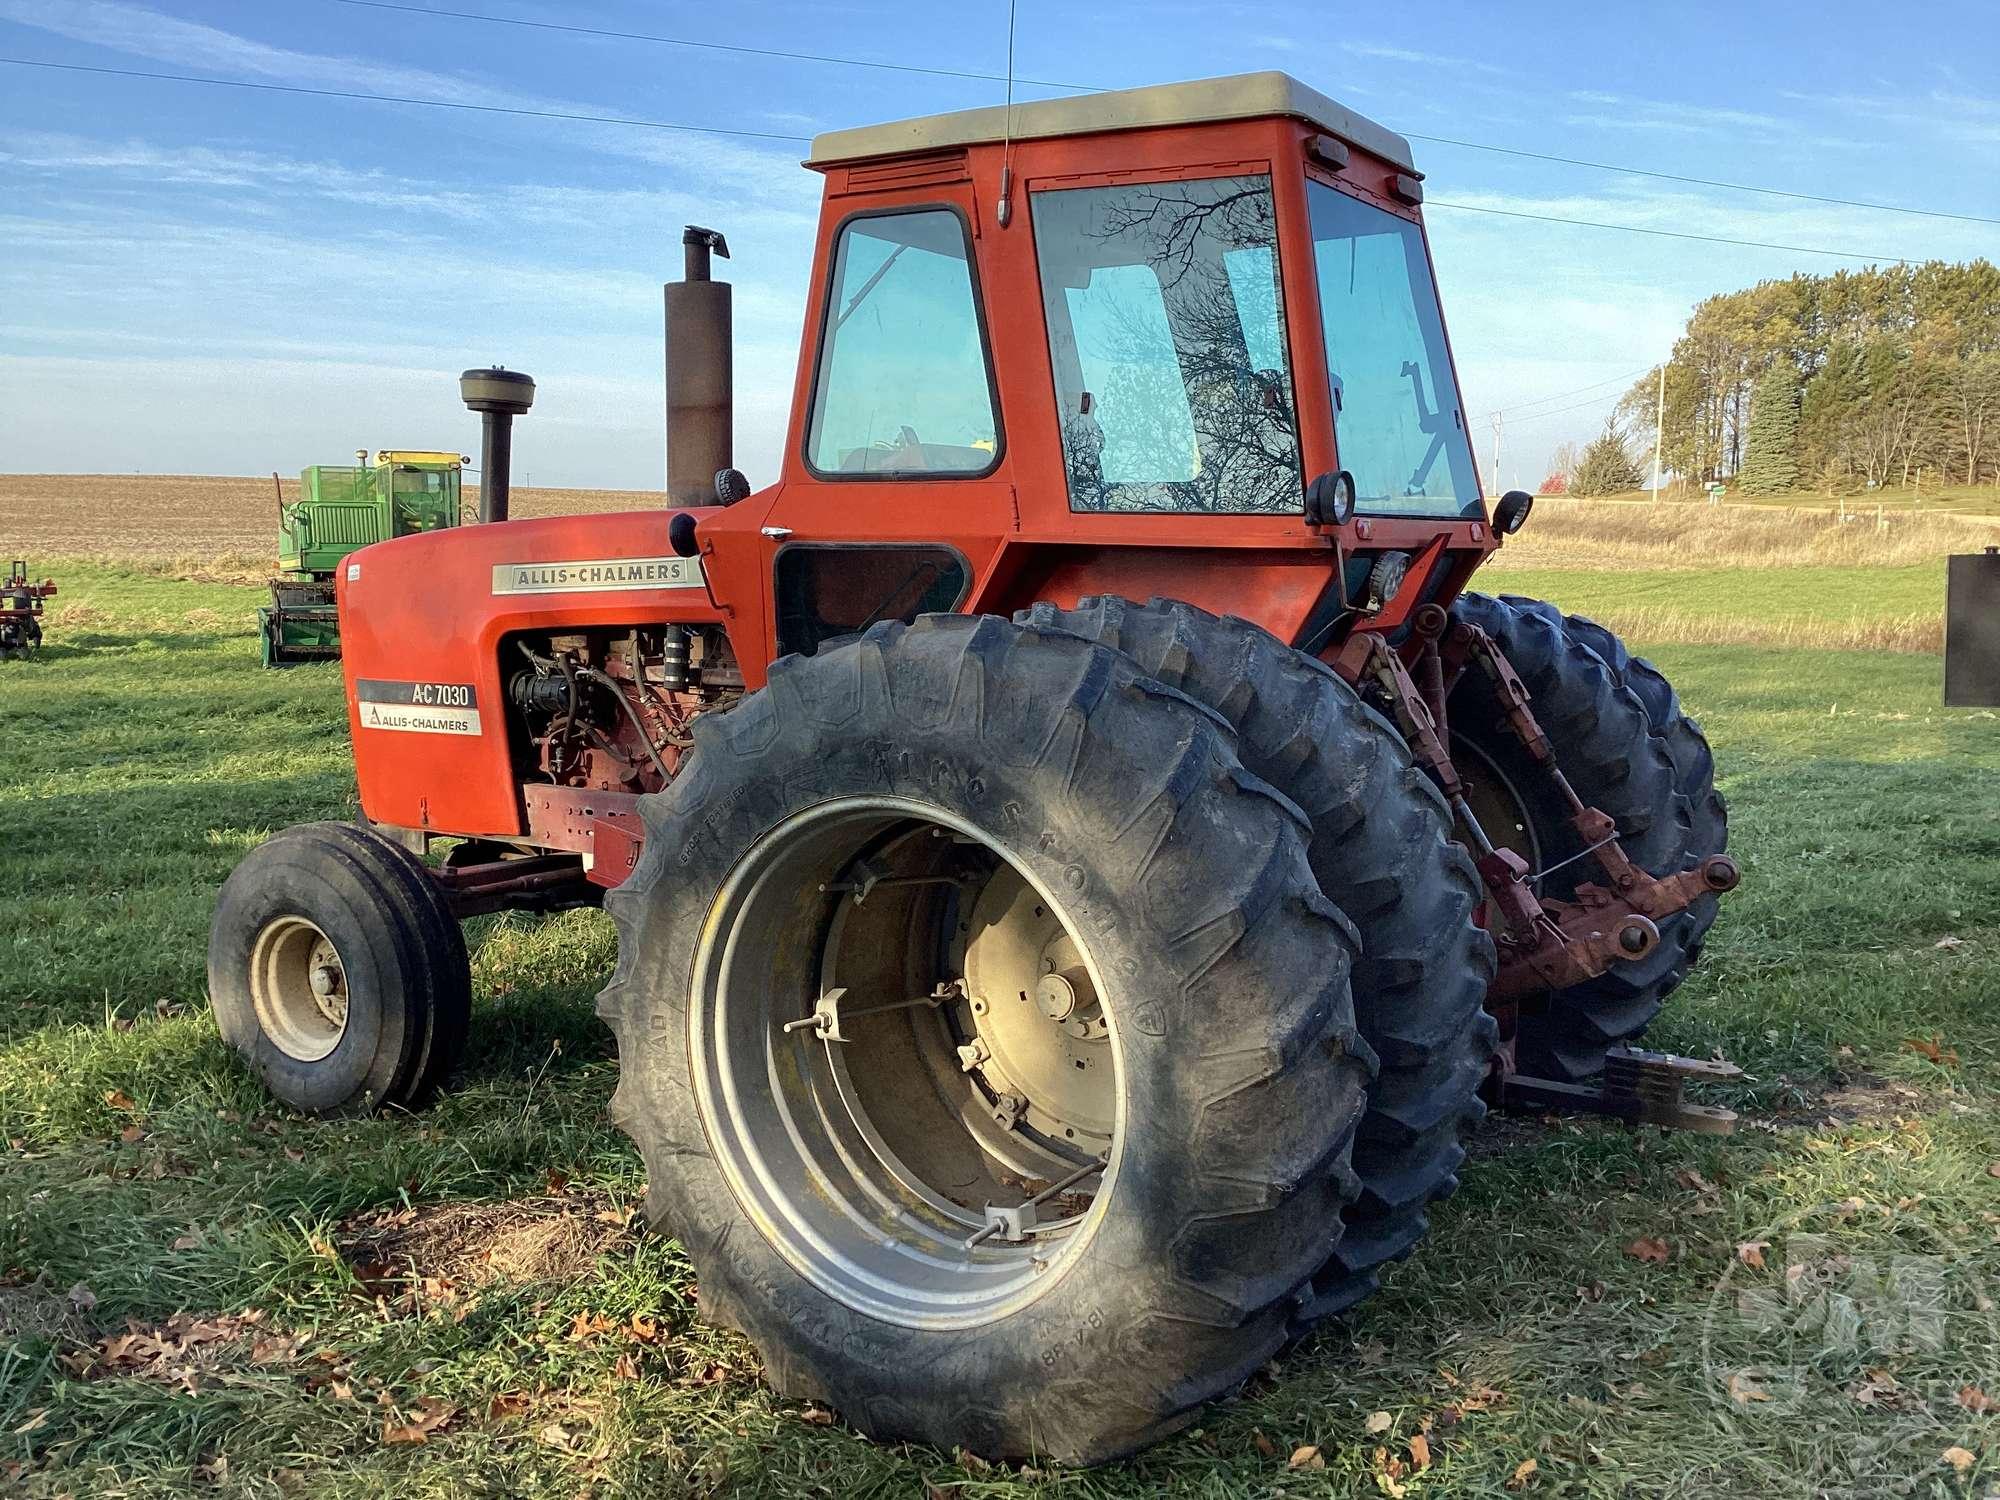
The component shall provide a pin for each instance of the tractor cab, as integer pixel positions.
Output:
(1179, 318)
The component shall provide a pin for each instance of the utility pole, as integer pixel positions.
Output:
(1659, 429)
(1496, 453)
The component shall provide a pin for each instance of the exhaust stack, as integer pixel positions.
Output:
(700, 373)
(499, 396)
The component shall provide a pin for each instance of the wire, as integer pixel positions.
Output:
(1560, 411)
(681, 41)
(484, 109)
(1734, 187)
(773, 135)
(1501, 411)
(1670, 234)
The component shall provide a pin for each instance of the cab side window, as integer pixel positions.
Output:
(902, 387)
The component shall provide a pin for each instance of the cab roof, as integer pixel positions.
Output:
(1242, 96)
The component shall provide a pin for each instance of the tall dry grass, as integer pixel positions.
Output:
(1601, 536)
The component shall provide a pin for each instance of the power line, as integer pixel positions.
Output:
(484, 109)
(682, 41)
(1734, 187)
(1670, 234)
(1092, 88)
(1561, 411)
(773, 135)
(1501, 411)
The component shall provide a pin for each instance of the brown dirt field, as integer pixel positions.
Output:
(229, 523)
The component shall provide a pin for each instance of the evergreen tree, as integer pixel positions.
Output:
(1606, 467)
(1771, 462)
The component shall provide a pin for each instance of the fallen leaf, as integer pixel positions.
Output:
(119, 1099)
(1263, 1444)
(1879, 1387)
(37, 1420)
(557, 1181)
(431, 1415)
(1932, 1049)
(1689, 1178)
(1523, 1472)
(82, 1298)
(644, 1329)
(1655, 1250)
(1388, 1475)
(1751, 1253)
(185, 1242)
(1973, 1399)
(1744, 1388)
(1993, 1169)
(625, 1367)
(555, 1435)
(131, 1135)
(818, 1416)
(341, 1391)
(1949, 942)
(1307, 1457)
(505, 1406)
(1378, 1421)
(1420, 1452)
(1959, 1458)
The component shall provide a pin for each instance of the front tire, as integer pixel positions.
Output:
(337, 971)
(946, 803)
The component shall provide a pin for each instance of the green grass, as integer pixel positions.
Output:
(1843, 608)
(145, 750)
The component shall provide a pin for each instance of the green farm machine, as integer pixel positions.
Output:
(339, 509)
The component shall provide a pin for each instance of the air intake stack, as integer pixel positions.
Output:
(498, 396)
(700, 372)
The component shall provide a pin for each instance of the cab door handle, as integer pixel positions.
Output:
(776, 533)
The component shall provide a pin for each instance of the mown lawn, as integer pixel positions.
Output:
(457, 1304)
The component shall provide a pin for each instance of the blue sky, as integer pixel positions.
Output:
(205, 280)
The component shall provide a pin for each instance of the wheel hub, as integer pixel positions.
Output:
(1041, 1034)
(298, 988)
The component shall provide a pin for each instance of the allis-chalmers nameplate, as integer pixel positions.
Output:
(596, 575)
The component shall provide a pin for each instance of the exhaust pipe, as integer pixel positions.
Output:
(700, 373)
(499, 396)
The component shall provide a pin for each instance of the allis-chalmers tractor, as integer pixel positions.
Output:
(1034, 1007)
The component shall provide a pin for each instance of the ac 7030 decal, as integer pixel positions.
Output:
(418, 707)
(594, 575)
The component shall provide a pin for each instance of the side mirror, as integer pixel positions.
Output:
(680, 535)
(1330, 500)
(1511, 514)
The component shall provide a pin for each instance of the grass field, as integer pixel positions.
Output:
(200, 1293)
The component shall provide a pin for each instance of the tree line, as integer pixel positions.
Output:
(1854, 380)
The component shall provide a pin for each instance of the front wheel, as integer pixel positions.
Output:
(336, 970)
(988, 1041)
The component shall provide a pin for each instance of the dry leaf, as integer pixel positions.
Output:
(1689, 1178)
(1959, 1459)
(1388, 1474)
(1378, 1421)
(1878, 1387)
(818, 1416)
(555, 1435)
(644, 1329)
(506, 1405)
(37, 1420)
(1523, 1472)
(1932, 1049)
(557, 1181)
(119, 1099)
(1751, 1253)
(625, 1367)
(1744, 1388)
(1655, 1250)
(1263, 1444)
(82, 1298)
(1993, 1169)
(131, 1135)
(185, 1242)
(1307, 1457)
(1973, 1399)
(431, 1415)
(1420, 1452)
(1949, 942)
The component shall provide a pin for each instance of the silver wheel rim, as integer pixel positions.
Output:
(893, 1169)
(298, 988)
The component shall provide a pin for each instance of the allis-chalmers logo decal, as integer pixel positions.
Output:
(418, 707)
(592, 576)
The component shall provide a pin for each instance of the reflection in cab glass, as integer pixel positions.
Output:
(902, 385)
(1166, 326)
(1397, 420)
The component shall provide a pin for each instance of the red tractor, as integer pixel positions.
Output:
(1034, 1007)
(21, 603)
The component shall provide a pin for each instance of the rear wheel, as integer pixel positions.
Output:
(987, 1040)
(336, 969)
(1654, 776)
(1382, 851)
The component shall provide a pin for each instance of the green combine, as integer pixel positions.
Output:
(341, 508)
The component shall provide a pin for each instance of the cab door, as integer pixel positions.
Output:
(893, 503)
